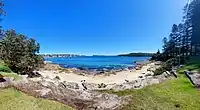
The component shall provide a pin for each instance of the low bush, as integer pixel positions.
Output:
(170, 63)
(4, 68)
(166, 66)
(159, 71)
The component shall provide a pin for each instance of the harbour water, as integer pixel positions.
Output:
(97, 62)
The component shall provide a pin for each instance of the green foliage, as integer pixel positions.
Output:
(170, 63)
(183, 41)
(189, 67)
(20, 52)
(177, 94)
(159, 71)
(137, 54)
(166, 66)
(4, 68)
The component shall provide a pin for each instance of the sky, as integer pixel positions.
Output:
(88, 27)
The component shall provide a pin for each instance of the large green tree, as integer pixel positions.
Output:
(192, 22)
(20, 52)
(2, 13)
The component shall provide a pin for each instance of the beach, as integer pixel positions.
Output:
(117, 78)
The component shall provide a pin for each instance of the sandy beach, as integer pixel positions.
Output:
(118, 78)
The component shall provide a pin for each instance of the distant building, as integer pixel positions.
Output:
(59, 55)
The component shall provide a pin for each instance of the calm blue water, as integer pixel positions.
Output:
(97, 62)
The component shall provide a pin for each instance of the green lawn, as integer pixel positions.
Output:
(11, 99)
(177, 94)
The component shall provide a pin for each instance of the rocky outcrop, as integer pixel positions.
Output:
(194, 77)
(6, 82)
(79, 99)
(83, 95)
(67, 93)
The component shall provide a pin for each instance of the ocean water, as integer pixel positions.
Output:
(97, 62)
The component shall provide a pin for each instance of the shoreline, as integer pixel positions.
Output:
(116, 77)
(95, 71)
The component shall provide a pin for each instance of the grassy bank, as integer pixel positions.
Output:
(171, 95)
(12, 99)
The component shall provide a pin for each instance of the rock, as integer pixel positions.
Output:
(81, 74)
(168, 73)
(102, 85)
(71, 85)
(149, 74)
(44, 92)
(2, 78)
(126, 69)
(126, 80)
(194, 78)
(158, 63)
(131, 68)
(6, 82)
(76, 98)
(56, 78)
(140, 76)
(137, 68)
(84, 85)
(34, 74)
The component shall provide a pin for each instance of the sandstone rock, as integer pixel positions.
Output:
(56, 78)
(102, 85)
(79, 99)
(71, 85)
(140, 76)
(44, 92)
(126, 80)
(194, 77)
(2, 78)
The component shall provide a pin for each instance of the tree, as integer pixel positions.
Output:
(164, 45)
(192, 22)
(20, 52)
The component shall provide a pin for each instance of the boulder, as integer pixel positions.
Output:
(78, 99)
(56, 78)
(194, 78)
(71, 85)
(2, 78)
(140, 76)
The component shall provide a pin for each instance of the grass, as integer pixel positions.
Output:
(177, 94)
(12, 99)
(190, 67)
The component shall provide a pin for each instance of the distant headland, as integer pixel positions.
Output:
(140, 54)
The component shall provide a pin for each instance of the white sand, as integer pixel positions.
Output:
(119, 78)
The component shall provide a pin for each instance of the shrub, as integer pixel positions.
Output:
(166, 66)
(170, 63)
(20, 52)
(4, 68)
(159, 71)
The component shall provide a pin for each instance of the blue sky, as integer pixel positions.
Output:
(94, 26)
